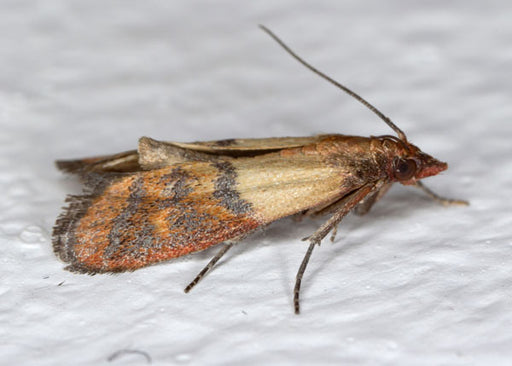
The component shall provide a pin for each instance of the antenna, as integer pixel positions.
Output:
(400, 133)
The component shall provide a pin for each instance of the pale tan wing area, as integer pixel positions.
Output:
(278, 186)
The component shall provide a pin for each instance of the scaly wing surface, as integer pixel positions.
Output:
(130, 220)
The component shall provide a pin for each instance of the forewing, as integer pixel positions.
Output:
(133, 220)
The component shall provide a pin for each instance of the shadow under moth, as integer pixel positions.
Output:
(168, 199)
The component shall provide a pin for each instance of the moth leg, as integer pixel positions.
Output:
(298, 278)
(344, 206)
(334, 232)
(361, 208)
(364, 206)
(208, 267)
(367, 203)
(442, 200)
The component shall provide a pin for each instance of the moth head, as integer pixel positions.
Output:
(412, 164)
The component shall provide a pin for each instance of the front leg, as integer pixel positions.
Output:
(343, 206)
(442, 200)
(365, 205)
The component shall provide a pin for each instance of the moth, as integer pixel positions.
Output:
(168, 199)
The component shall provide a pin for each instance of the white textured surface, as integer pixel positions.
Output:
(410, 283)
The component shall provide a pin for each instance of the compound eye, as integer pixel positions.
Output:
(404, 169)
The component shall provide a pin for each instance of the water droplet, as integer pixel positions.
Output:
(32, 234)
(183, 358)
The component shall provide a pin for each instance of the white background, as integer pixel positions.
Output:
(411, 283)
